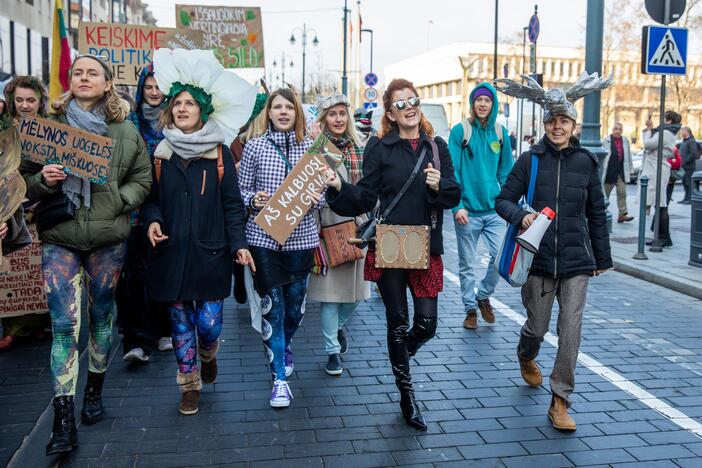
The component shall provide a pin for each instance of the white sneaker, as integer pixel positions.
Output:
(165, 344)
(281, 394)
(136, 355)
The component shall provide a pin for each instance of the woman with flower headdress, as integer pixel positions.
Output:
(194, 214)
(575, 246)
(342, 287)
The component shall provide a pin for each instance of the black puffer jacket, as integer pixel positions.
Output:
(577, 241)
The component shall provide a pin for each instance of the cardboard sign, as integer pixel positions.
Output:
(128, 49)
(291, 202)
(235, 34)
(83, 154)
(22, 282)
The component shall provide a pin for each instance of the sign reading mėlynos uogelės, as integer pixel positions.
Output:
(81, 153)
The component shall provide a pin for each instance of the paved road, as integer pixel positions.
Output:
(637, 338)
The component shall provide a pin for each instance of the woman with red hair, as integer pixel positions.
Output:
(405, 137)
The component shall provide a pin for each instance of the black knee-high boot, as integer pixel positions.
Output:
(422, 331)
(92, 401)
(399, 359)
(64, 436)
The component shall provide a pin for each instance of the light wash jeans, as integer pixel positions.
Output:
(334, 315)
(492, 228)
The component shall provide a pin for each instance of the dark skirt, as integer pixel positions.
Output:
(276, 267)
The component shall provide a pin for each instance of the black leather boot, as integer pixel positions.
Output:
(399, 359)
(423, 330)
(64, 436)
(410, 410)
(92, 401)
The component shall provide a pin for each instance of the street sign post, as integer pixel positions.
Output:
(534, 28)
(656, 10)
(371, 79)
(370, 105)
(370, 94)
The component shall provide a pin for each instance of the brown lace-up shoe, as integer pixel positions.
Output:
(558, 414)
(530, 372)
(486, 310)
(189, 402)
(471, 320)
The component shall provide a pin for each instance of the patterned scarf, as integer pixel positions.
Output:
(353, 155)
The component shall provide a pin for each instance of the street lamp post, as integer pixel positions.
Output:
(315, 42)
(282, 66)
(344, 75)
(371, 48)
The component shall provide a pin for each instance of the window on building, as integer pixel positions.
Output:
(30, 2)
(562, 69)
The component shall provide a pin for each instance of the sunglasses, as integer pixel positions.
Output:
(409, 103)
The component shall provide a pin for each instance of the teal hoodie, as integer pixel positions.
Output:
(482, 175)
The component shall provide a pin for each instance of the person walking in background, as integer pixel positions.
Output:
(343, 286)
(89, 241)
(617, 166)
(690, 153)
(482, 158)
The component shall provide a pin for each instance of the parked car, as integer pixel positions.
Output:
(435, 113)
(636, 166)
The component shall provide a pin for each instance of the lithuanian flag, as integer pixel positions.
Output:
(60, 55)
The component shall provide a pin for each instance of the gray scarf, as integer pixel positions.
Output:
(92, 121)
(151, 113)
(194, 145)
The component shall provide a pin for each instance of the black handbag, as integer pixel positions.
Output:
(54, 210)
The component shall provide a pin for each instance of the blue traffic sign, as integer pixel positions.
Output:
(370, 105)
(664, 50)
(371, 79)
(534, 28)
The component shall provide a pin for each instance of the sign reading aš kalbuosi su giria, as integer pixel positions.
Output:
(82, 154)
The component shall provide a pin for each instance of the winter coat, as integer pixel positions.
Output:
(650, 163)
(482, 166)
(204, 221)
(387, 164)
(607, 143)
(106, 222)
(689, 151)
(568, 182)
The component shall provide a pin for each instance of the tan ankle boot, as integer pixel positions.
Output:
(471, 320)
(530, 372)
(558, 414)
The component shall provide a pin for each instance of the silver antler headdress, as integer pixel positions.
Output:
(327, 102)
(555, 101)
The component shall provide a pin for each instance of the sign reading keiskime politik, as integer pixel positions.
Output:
(82, 154)
(128, 49)
(235, 34)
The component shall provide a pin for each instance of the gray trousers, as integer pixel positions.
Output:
(538, 294)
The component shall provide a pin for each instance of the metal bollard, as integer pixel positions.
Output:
(640, 255)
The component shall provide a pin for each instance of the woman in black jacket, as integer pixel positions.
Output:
(388, 162)
(574, 248)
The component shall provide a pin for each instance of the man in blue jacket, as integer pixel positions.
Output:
(482, 158)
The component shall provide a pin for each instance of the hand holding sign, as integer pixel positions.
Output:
(53, 174)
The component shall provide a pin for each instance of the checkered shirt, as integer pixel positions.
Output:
(263, 170)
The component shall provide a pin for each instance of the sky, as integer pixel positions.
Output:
(402, 28)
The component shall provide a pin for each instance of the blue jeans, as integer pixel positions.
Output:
(492, 228)
(334, 315)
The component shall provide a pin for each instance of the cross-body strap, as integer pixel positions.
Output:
(404, 188)
(532, 178)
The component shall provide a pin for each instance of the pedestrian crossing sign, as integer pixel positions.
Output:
(664, 50)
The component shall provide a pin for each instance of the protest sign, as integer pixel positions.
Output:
(128, 49)
(291, 202)
(22, 282)
(82, 154)
(235, 34)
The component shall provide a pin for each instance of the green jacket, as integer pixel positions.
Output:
(107, 220)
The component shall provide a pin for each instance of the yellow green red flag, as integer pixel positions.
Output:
(60, 55)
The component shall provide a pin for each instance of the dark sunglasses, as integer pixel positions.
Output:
(409, 103)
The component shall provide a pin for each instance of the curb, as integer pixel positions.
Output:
(680, 285)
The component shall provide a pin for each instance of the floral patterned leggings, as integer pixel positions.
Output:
(203, 318)
(63, 270)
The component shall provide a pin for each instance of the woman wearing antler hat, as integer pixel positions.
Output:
(576, 245)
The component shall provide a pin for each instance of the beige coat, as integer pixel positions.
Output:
(651, 161)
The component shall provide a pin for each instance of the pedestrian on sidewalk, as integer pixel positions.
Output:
(83, 234)
(482, 158)
(650, 170)
(389, 161)
(342, 287)
(144, 323)
(690, 153)
(281, 279)
(194, 213)
(574, 248)
(617, 165)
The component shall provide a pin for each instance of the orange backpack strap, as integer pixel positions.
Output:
(157, 169)
(220, 164)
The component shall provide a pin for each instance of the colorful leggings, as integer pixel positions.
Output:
(63, 270)
(283, 309)
(187, 319)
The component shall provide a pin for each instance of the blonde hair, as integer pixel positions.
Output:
(350, 132)
(256, 128)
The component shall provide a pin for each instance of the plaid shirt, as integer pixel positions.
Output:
(263, 170)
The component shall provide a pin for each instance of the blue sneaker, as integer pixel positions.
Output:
(281, 394)
(289, 364)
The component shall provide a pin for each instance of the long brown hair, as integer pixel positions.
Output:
(26, 82)
(387, 125)
(289, 96)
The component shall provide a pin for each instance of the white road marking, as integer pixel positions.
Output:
(645, 397)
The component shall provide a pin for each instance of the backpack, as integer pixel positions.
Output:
(220, 166)
(468, 132)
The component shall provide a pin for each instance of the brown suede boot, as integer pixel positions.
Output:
(208, 370)
(486, 310)
(531, 372)
(471, 320)
(190, 386)
(558, 414)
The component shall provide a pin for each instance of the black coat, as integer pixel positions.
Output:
(387, 164)
(204, 222)
(688, 152)
(577, 241)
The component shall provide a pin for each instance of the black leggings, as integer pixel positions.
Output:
(403, 342)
